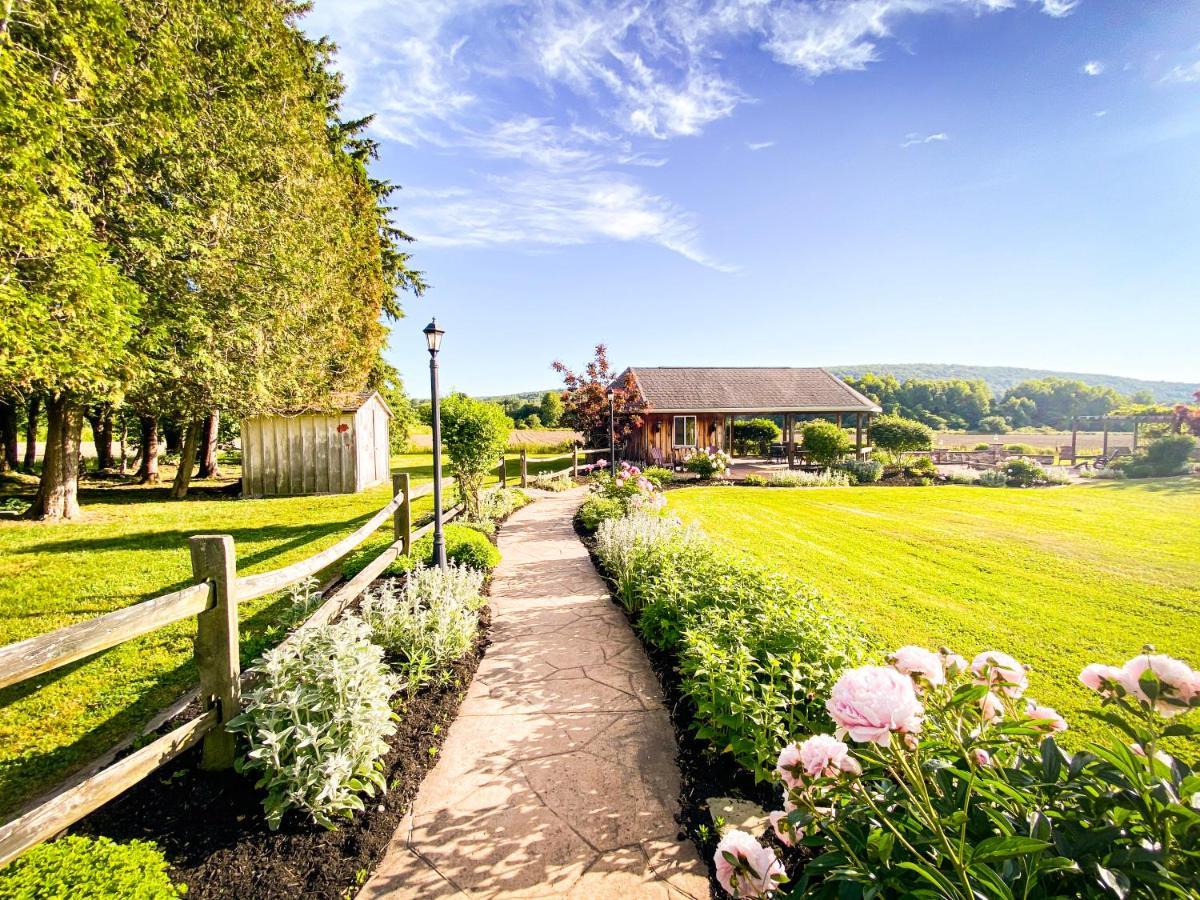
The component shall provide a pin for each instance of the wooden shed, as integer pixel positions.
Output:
(341, 450)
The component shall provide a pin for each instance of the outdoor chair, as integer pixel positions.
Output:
(776, 453)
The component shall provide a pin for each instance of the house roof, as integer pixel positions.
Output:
(745, 389)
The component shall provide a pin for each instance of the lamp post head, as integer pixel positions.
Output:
(612, 395)
(433, 337)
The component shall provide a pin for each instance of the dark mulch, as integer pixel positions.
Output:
(211, 825)
(704, 772)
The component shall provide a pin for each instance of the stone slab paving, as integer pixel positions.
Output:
(558, 779)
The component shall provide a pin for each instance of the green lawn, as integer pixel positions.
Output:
(132, 545)
(1057, 577)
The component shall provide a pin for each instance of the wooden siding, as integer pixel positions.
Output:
(657, 431)
(307, 454)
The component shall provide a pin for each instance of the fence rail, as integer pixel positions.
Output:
(213, 600)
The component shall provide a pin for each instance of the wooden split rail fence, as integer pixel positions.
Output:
(213, 600)
(572, 470)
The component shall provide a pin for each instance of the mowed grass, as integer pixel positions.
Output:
(1056, 577)
(132, 545)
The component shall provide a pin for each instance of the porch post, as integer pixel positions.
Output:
(858, 433)
(791, 441)
(1106, 436)
(1074, 439)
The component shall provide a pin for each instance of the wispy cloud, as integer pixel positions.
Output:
(1092, 67)
(561, 97)
(759, 145)
(1183, 74)
(1100, 113)
(912, 139)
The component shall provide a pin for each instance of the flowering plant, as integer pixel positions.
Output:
(951, 785)
(708, 463)
(631, 487)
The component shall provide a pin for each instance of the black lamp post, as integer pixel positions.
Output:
(612, 432)
(433, 337)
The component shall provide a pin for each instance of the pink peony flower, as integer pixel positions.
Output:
(1000, 670)
(753, 870)
(790, 765)
(871, 702)
(823, 754)
(991, 708)
(917, 661)
(1047, 718)
(981, 757)
(1100, 678)
(783, 829)
(1177, 682)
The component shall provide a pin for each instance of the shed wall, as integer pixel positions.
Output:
(305, 454)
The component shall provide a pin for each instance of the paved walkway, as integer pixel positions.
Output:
(558, 779)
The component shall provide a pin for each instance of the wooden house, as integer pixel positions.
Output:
(690, 408)
(340, 450)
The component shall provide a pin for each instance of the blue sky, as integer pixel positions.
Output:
(748, 182)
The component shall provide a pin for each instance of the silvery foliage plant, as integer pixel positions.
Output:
(317, 720)
(621, 543)
(428, 621)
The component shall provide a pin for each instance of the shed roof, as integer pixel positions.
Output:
(344, 401)
(745, 389)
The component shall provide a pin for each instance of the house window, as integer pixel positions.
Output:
(685, 432)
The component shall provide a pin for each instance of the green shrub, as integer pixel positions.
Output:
(474, 434)
(464, 545)
(755, 435)
(993, 478)
(503, 502)
(896, 435)
(427, 621)
(83, 868)
(755, 480)
(1025, 450)
(707, 463)
(994, 425)
(921, 467)
(1169, 455)
(597, 509)
(963, 476)
(553, 482)
(863, 471)
(982, 446)
(826, 443)
(1023, 473)
(317, 720)
(659, 475)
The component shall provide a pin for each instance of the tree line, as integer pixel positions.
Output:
(188, 229)
(968, 405)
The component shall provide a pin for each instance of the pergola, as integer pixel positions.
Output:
(1136, 420)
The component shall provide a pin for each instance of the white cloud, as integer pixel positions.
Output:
(1058, 8)
(912, 138)
(1100, 113)
(561, 97)
(1183, 74)
(1092, 67)
(759, 145)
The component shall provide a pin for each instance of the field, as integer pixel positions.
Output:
(1050, 440)
(1057, 577)
(132, 545)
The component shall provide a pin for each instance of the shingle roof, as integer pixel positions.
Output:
(745, 389)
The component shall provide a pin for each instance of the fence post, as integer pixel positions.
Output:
(574, 460)
(217, 657)
(503, 472)
(402, 520)
(524, 468)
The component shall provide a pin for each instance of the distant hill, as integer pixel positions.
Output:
(1001, 378)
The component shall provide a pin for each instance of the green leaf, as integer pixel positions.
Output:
(1006, 847)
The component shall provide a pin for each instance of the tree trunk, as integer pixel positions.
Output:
(8, 435)
(148, 468)
(124, 438)
(187, 459)
(208, 447)
(31, 427)
(58, 493)
(101, 420)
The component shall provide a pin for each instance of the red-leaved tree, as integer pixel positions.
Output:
(585, 400)
(1188, 417)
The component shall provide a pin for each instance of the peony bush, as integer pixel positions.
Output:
(710, 463)
(942, 778)
(627, 490)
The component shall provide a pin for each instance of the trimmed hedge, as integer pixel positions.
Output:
(465, 545)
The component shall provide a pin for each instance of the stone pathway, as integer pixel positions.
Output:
(558, 779)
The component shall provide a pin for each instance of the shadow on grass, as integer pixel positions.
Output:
(1173, 484)
(25, 777)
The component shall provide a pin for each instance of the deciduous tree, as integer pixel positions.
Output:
(585, 400)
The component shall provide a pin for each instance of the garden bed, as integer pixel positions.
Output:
(211, 827)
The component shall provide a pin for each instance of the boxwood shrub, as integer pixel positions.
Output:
(465, 545)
